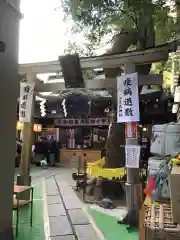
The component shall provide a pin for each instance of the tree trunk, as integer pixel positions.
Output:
(115, 146)
(143, 37)
(121, 43)
(178, 18)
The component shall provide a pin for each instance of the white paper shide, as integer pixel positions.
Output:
(25, 103)
(132, 156)
(128, 98)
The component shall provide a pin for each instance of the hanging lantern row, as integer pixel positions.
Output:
(36, 127)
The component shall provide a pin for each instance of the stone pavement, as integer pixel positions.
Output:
(65, 218)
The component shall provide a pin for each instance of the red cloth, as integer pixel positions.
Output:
(151, 184)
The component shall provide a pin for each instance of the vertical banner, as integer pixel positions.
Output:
(132, 156)
(128, 98)
(131, 130)
(26, 100)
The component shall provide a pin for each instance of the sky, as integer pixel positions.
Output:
(43, 33)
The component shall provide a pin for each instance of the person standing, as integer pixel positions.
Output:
(52, 151)
(18, 153)
(39, 151)
(46, 149)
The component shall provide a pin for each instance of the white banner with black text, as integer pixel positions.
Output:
(128, 98)
(26, 101)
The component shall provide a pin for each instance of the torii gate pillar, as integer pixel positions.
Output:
(133, 187)
(9, 93)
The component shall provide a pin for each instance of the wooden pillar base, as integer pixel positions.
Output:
(7, 234)
(133, 198)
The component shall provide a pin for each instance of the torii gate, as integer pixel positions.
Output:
(105, 61)
(129, 60)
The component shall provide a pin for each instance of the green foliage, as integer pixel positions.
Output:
(83, 51)
(172, 63)
(99, 18)
(164, 22)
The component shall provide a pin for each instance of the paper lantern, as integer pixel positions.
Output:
(37, 127)
(175, 108)
(177, 94)
(19, 126)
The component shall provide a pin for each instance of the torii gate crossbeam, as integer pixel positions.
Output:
(157, 54)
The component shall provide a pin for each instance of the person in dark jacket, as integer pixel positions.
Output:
(46, 149)
(18, 147)
(52, 151)
(39, 151)
(58, 146)
(18, 153)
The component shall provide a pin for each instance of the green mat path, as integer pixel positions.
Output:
(106, 224)
(36, 232)
(109, 227)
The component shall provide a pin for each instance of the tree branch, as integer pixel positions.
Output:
(134, 19)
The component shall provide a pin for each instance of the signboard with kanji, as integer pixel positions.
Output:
(25, 104)
(132, 156)
(128, 98)
(82, 122)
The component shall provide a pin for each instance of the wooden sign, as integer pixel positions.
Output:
(128, 98)
(82, 122)
(71, 69)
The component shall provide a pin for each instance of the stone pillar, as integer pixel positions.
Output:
(9, 93)
(24, 177)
